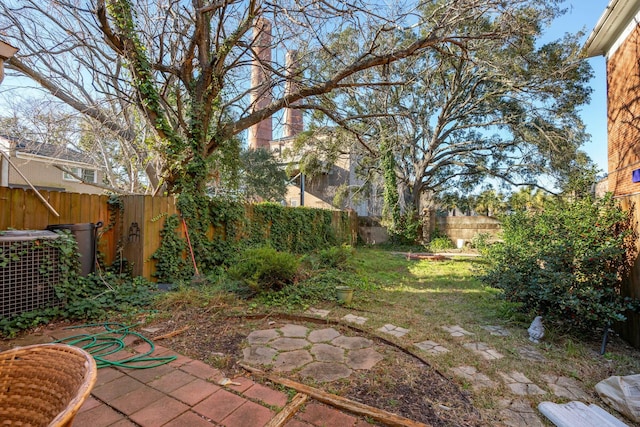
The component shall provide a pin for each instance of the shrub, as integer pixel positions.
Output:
(336, 257)
(93, 297)
(439, 241)
(265, 269)
(480, 241)
(566, 262)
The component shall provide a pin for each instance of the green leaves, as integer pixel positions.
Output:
(566, 261)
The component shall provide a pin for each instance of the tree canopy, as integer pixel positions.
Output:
(503, 108)
(180, 70)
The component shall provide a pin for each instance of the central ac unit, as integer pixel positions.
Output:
(27, 279)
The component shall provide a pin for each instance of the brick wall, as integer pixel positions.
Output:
(623, 96)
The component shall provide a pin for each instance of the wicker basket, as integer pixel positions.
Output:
(44, 385)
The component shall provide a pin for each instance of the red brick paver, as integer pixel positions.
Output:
(267, 395)
(219, 405)
(195, 391)
(160, 412)
(136, 400)
(116, 388)
(202, 370)
(100, 416)
(323, 415)
(249, 415)
(172, 381)
(190, 419)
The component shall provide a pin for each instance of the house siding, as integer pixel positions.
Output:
(623, 97)
(42, 174)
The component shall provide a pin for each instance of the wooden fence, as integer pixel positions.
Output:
(132, 227)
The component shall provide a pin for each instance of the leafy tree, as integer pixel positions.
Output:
(528, 199)
(257, 177)
(489, 203)
(182, 68)
(504, 108)
(567, 261)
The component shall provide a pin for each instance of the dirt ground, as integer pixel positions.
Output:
(401, 383)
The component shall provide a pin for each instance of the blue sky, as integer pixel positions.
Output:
(583, 15)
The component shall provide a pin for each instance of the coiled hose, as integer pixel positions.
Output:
(104, 344)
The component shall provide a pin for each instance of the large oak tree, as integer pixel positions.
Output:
(182, 68)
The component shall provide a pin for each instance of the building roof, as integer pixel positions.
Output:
(48, 150)
(614, 20)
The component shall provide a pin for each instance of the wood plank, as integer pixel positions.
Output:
(288, 411)
(59, 204)
(17, 209)
(75, 208)
(5, 212)
(132, 232)
(34, 211)
(387, 418)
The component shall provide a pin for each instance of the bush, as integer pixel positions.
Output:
(440, 241)
(566, 262)
(336, 257)
(265, 269)
(480, 241)
(94, 297)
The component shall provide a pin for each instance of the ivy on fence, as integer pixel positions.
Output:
(233, 226)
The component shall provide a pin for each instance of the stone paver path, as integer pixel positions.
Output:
(317, 312)
(355, 319)
(518, 413)
(457, 331)
(394, 330)
(565, 387)
(323, 354)
(496, 330)
(431, 347)
(483, 350)
(520, 385)
(477, 379)
(531, 354)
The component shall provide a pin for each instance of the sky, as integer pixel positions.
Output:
(583, 16)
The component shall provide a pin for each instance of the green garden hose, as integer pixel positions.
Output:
(103, 345)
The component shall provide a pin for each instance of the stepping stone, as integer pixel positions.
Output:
(365, 358)
(287, 344)
(294, 331)
(518, 413)
(323, 335)
(578, 414)
(530, 353)
(327, 353)
(325, 372)
(352, 343)
(565, 387)
(483, 350)
(521, 385)
(259, 355)
(478, 380)
(496, 330)
(290, 360)
(457, 331)
(262, 336)
(393, 330)
(355, 319)
(431, 347)
(317, 312)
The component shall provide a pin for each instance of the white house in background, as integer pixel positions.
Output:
(37, 162)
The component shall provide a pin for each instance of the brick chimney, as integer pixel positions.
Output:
(293, 124)
(261, 134)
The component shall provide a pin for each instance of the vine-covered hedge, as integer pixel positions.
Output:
(229, 227)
